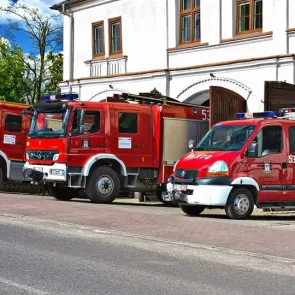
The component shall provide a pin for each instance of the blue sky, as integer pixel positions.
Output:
(21, 39)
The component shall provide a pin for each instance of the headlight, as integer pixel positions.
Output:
(219, 168)
(55, 157)
(174, 167)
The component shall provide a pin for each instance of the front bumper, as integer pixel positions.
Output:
(51, 173)
(207, 195)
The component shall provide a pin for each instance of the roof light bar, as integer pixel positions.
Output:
(262, 115)
(57, 97)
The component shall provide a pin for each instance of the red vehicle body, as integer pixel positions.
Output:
(133, 146)
(13, 130)
(237, 165)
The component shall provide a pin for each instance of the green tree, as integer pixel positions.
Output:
(55, 72)
(12, 73)
(45, 34)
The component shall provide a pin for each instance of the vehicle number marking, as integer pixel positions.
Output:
(291, 159)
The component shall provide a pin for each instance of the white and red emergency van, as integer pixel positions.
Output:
(237, 165)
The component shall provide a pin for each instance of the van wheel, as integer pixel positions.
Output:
(60, 192)
(103, 185)
(192, 210)
(240, 204)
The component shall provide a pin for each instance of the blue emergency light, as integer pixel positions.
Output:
(61, 96)
(262, 115)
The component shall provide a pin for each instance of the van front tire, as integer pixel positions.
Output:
(240, 203)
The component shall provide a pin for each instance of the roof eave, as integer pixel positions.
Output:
(65, 3)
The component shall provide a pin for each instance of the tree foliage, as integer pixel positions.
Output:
(12, 73)
(45, 35)
(55, 74)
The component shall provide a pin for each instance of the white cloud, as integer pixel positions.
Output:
(42, 5)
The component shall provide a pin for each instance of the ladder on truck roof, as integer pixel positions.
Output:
(163, 100)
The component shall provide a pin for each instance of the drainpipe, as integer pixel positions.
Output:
(167, 72)
(71, 55)
(277, 68)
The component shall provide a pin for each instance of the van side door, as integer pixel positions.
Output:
(266, 167)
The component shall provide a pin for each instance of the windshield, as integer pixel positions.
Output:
(49, 125)
(226, 138)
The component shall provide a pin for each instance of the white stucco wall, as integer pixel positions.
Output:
(143, 33)
(146, 39)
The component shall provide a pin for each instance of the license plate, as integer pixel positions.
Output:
(40, 169)
(180, 187)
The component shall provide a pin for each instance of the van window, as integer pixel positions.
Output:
(128, 123)
(269, 140)
(13, 123)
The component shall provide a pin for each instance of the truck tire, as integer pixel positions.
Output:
(61, 193)
(192, 210)
(1, 178)
(103, 185)
(240, 203)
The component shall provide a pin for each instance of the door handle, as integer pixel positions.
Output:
(136, 146)
(284, 165)
(99, 145)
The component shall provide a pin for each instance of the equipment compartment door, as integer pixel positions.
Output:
(289, 194)
(268, 167)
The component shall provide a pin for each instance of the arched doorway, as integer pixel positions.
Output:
(223, 103)
(200, 98)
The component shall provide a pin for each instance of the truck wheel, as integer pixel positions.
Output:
(192, 210)
(1, 178)
(103, 185)
(240, 204)
(61, 193)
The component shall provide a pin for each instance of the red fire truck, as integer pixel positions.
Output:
(103, 148)
(14, 128)
(237, 165)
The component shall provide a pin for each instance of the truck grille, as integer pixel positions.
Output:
(185, 174)
(41, 155)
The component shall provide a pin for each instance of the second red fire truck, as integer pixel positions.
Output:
(103, 148)
(13, 131)
(237, 165)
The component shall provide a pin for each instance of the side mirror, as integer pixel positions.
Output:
(191, 144)
(27, 111)
(252, 151)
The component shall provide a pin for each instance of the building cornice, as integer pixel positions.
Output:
(162, 72)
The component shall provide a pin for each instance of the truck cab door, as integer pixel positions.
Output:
(86, 135)
(14, 136)
(265, 161)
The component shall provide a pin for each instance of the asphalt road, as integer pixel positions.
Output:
(46, 257)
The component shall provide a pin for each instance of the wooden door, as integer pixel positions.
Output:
(224, 104)
(278, 95)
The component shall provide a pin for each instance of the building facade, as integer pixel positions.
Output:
(183, 48)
